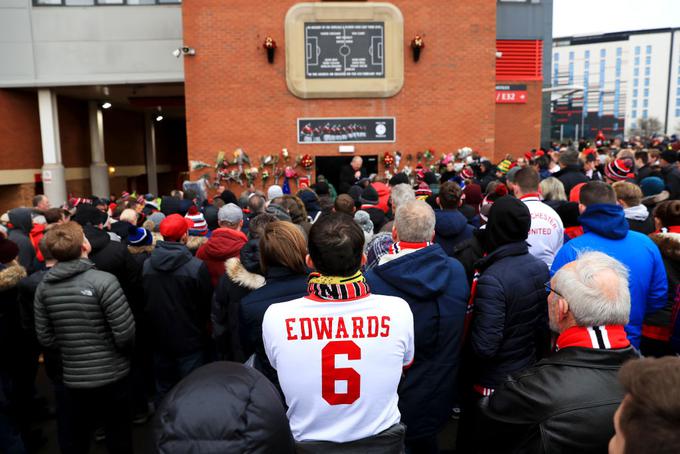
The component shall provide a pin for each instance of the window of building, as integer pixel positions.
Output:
(646, 93)
(648, 60)
(634, 114)
(619, 51)
(635, 82)
(637, 50)
(677, 112)
(603, 53)
(644, 114)
(587, 54)
(634, 105)
(647, 82)
(636, 72)
(648, 50)
(648, 70)
(637, 61)
(645, 103)
(635, 93)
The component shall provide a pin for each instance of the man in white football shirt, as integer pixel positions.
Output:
(339, 352)
(546, 234)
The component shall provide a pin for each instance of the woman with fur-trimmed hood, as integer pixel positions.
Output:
(242, 276)
(656, 330)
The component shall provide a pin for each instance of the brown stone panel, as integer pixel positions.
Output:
(20, 146)
(518, 126)
(234, 98)
(74, 131)
(124, 137)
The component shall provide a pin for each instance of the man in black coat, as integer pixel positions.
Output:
(178, 291)
(670, 173)
(570, 173)
(566, 403)
(350, 174)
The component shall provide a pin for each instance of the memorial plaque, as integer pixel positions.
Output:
(344, 50)
(346, 130)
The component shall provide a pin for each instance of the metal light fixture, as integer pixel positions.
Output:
(417, 45)
(270, 46)
(106, 105)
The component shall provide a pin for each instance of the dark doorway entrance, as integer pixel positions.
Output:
(329, 166)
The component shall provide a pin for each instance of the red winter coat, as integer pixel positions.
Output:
(37, 234)
(224, 244)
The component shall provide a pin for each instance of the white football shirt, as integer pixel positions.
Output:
(546, 235)
(339, 363)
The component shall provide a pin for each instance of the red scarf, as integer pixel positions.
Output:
(337, 288)
(604, 337)
(671, 229)
(401, 245)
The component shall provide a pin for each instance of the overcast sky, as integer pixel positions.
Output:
(586, 17)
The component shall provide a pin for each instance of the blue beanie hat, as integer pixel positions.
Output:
(651, 186)
(139, 236)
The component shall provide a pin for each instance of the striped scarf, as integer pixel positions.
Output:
(603, 337)
(337, 287)
(401, 245)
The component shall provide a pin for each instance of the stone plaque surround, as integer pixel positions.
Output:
(338, 12)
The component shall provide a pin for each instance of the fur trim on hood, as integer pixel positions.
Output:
(141, 249)
(196, 242)
(668, 243)
(11, 275)
(241, 276)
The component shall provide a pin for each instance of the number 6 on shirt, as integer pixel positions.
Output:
(330, 374)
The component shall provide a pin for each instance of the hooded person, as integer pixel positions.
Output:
(240, 411)
(178, 291)
(629, 196)
(452, 226)
(22, 224)
(226, 242)
(435, 287)
(606, 230)
(364, 220)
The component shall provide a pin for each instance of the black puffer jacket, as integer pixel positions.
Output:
(21, 221)
(83, 312)
(563, 404)
(114, 257)
(11, 336)
(178, 291)
(510, 320)
(222, 408)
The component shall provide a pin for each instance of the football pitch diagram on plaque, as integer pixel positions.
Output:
(338, 50)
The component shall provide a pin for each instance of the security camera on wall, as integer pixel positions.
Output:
(184, 51)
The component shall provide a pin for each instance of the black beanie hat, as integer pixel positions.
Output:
(399, 178)
(89, 214)
(509, 222)
(369, 196)
(8, 250)
(228, 197)
(669, 156)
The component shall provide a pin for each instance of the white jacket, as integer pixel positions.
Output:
(546, 234)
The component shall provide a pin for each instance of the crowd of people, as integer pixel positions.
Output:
(535, 300)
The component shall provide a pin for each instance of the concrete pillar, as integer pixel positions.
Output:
(53, 175)
(151, 171)
(99, 169)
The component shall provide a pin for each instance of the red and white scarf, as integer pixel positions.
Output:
(401, 245)
(601, 337)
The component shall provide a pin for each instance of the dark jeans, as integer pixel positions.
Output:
(169, 370)
(389, 441)
(424, 445)
(80, 410)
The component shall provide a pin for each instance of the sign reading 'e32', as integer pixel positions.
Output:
(511, 94)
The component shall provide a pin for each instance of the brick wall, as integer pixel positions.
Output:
(20, 146)
(518, 126)
(234, 98)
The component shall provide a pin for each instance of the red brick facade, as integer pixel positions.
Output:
(234, 98)
(518, 126)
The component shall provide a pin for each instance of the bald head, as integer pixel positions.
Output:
(414, 222)
(357, 162)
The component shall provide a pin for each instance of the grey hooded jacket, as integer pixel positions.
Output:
(83, 313)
